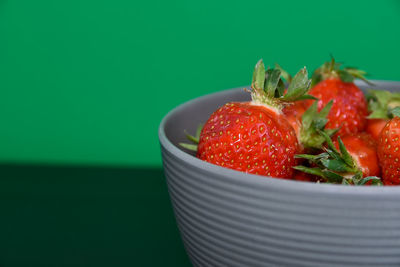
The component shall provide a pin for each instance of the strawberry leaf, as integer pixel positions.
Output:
(307, 117)
(309, 157)
(331, 132)
(313, 171)
(280, 89)
(332, 154)
(312, 121)
(259, 76)
(396, 111)
(345, 154)
(374, 181)
(358, 74)
(305, 156)
(328, 141)
(189, 146)
(195, 139)
(198, 131)
(336, 165)
(332, 177)
(268, 87)
(378, 112)
(271, 81)
(306, 97)
(345, 76)
(191, 137)
(325, 110)
(320, 123)
(381, 103)
(298, 87)
(378, 101)
(333, 65)
(346, 182)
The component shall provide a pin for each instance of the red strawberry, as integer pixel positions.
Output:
(375, 126)
(362, 148)
(338, 164)
(249, 138)
(307, 121)
(293, 114)
(349, 108)
(380, 104)
(389, 150)
(254, 136)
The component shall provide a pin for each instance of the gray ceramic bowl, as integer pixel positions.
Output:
(229, 218)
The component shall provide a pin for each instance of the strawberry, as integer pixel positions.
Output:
(254, 136)
(338, 165)
(375, 126)
(293, 116)
(349, 108)
(380, 104)
(362, 148)
(306, 121)
(389, 150)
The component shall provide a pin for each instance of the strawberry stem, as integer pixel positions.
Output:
(332, 69)
(312, 122)
(268, 87)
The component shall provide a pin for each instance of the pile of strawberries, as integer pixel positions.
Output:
(322, 129)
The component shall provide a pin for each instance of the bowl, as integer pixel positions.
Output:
(230, 218)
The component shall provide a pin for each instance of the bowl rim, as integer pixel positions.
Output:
(253, 179)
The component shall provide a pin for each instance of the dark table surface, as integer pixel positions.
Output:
(87, 216)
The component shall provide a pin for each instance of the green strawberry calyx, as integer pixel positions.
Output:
(396, 112)
(381, 103)
(335, 166)
(194, 139)
(268, 88)
(333, 69)
(312, 122)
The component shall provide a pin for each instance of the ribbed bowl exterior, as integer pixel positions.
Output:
(229, 218)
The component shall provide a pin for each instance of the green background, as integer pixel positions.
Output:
(84, 85)
(88, 81)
